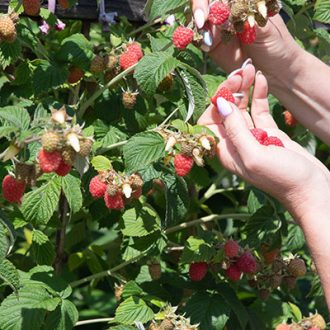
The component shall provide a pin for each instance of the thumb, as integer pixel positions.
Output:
(236, 129)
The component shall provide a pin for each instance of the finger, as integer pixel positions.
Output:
(247, 81)
(200, 9)
(260, 106)
(237, 130)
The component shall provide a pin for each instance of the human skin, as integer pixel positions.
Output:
(291, 175)
(298, 79)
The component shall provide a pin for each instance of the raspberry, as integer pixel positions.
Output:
(68, 155)
(75, 74)
(290, 282)
(275, 281)
(135, 48)
(85, 147)
(12, 189)
(97, 64)
(49, 161)
(273, 141)
(182, 37)
(231, 248)
(297, 267)
(225, 93)
(318, 321)
(137, 193)
(63, 169)
(219, 13)
(166, 84)
(247, 263)
(129, 100)
(234, 273)
(114, 202)
(97, 188)
(127, 59)
(259, 134)
(248, 36)
(283, 326)
(167, 324)
(7, 29)
(289, 119)
(155, 271)
(31, 7)
(64, 4)
(183, 164)
(110, 61)
(50, 141)
(197, 271)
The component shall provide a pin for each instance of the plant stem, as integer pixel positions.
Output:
(107, 319)
(181, 226)
(211, 192)
(145, 26)
(213, 217)
(60, 234)
(100, 91)
(113, 146)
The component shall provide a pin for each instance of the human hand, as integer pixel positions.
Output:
(272, 52)
(289, 174)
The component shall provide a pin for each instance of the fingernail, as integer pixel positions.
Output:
(258, 72)
(207, 38)
(199, 18)
(248, 61)
(238, 95)
(224, 107)
(233, 73)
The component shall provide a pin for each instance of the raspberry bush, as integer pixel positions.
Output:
(115, 214)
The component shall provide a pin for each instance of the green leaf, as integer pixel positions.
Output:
(196, 249)
(42, 248)
(71, 188)
(6, 131)
(77, 50)
(161, 7)
(9, 274)
(152, 69)
(64, 317)
(255, 201)
(138, 222)
(101, 163)
(143, 149)
(131, 289)
(196, 94)
(322, 11)
(22, 74)
(7, 235)
(132, 310)
(4, 242)
(123, 327)
(27, 312)
(15, 115)
(48, 75)
(295, 239)
(9, 52)
(209, 310)
(177, 198)
(39, 205)
(295, 311)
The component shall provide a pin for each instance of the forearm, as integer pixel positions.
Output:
(304, 90)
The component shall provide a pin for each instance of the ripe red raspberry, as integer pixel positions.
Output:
(31, 7)
(182, 37)
(273, 141)
(183, 164)
(114, 202)
(259, 134)
(197, 271)
(127, 59)
(49, 161)
(225, 93)
(231, 248)
(97, 188)
(75, 74)
(234, 273)
(63, 169)
(289, 119)
(219, 13)
(283, 326)
(12, 189)
(248, 36)
(247, 263)
(135, 47)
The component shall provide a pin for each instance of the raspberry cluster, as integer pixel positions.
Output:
(188, 149)
(312, 322)
(7, 27)
(116, 189)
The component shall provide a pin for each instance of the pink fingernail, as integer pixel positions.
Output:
(235, 72)
(248, 61)
(224, 107)
(199, 18)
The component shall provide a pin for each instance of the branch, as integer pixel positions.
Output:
(107, 319)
